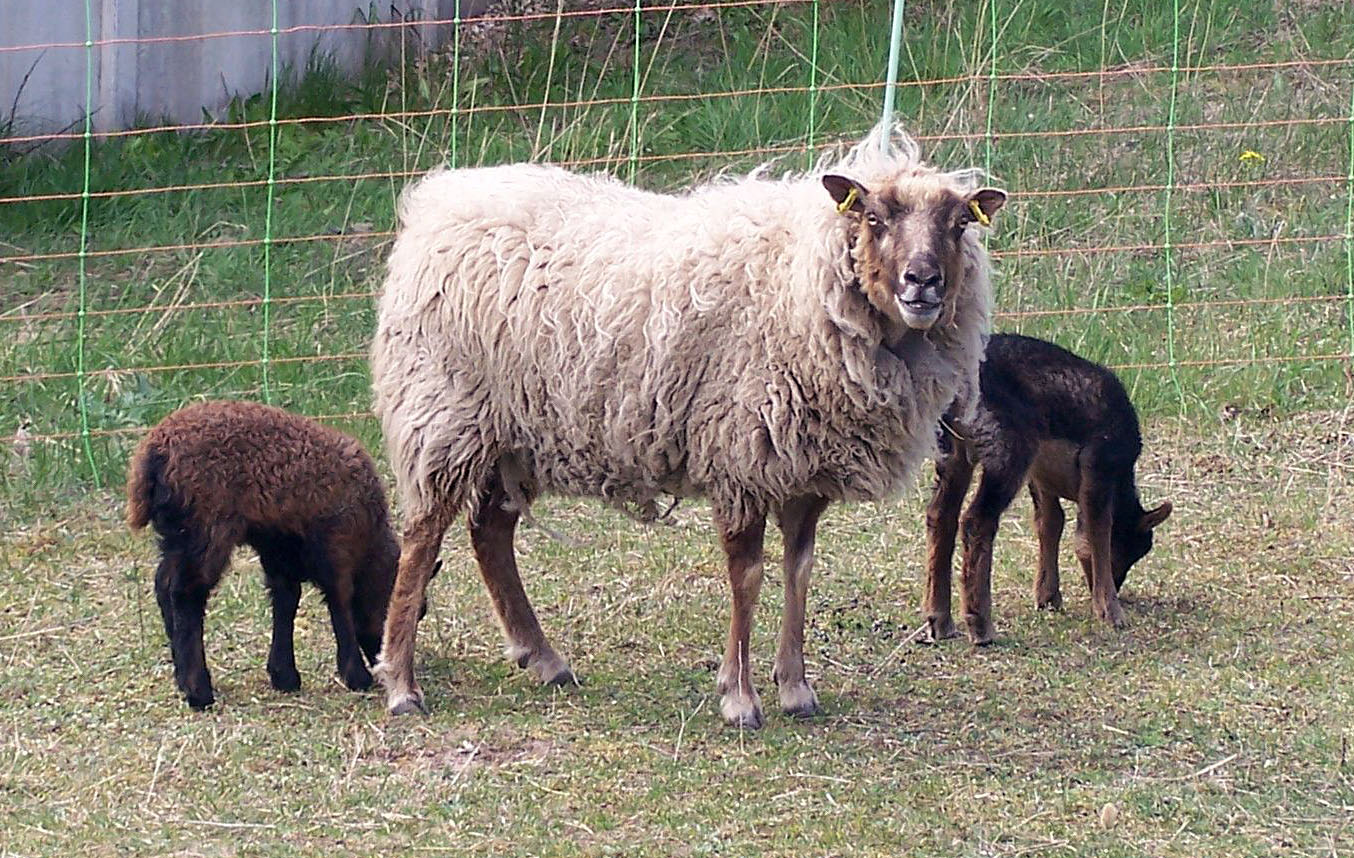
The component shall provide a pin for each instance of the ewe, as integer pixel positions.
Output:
(757, 342)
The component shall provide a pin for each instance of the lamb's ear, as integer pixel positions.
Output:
(848, 194)
(1154, 517)
(983, 203)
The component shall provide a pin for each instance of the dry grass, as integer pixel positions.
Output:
(1217, 724)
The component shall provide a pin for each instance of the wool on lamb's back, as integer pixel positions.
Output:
(625, 344)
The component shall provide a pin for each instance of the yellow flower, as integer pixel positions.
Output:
(1250, 156)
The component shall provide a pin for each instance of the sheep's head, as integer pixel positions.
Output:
(1130, 537)
(906, 249)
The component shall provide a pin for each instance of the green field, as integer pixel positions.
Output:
(1222, 286)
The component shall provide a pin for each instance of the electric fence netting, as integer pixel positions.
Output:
(1182, 191)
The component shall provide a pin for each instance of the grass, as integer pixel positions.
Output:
(1218, 724)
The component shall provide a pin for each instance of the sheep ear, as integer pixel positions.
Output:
(1154, 517)
(848, 194)
(985, 202)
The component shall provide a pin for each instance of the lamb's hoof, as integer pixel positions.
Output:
(940, 628)
(200, 701)
(1113, 614)
(743, 712)
(1049, 602)
(357, 679)
(406, 704)
(799, 701)
(284, 680)
(563, 679)
(979, 630)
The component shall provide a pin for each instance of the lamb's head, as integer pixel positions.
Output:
(906, 245)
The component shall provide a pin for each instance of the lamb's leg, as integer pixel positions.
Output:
(418, 553)
(1048, 523)
(953, 474)
(996, 489)
(188, 594)
(1095, 514)
(739, 703)
(286, 595)
(491, 533)
(798, 526)
(164, 578)
(338, 595)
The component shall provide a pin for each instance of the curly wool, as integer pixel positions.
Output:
(606, 341)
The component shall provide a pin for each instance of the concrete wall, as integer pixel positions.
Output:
(136, 79)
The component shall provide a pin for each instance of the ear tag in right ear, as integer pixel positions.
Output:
(978, 214)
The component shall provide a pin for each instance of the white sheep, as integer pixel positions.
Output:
(752, 341)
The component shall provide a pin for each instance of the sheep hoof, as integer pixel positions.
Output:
(1113, 614)
(409, 704)
(979, 630)
(285, 680)
(799, 701)
(563, 679)
(357, 680)
(742, 712)
(940, 628)
(549, 669)
(199, 702)
(1049, 602)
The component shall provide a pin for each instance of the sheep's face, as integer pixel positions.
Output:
(906, 248)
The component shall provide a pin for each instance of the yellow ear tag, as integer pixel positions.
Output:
(978, 214)
(851, 196)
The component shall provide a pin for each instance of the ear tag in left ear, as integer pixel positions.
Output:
(851, 196)
(978, 214)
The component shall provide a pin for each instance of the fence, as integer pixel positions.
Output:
(1182, 184)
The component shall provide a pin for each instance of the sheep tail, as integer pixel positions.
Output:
(514, 477)
(141, 476)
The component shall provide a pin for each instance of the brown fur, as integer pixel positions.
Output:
(217, 475)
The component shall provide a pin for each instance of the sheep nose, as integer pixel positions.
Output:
(923, 275)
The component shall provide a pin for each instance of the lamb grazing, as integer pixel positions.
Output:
(1065, 425)
(754, 341)
(215, 475)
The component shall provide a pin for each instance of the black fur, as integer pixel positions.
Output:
(1065, 426)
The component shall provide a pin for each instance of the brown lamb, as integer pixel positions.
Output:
(306, 497)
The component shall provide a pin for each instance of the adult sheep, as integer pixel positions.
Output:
(755, 341)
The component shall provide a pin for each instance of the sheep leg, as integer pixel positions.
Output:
(351, 667)
(1048, 523)
(798, 526)
(286, 596)
(421, 541)
(164, 578)
(996, 489)
(1095, 516)
(739, 703)
(492, 527)
(953, 473)
(188, 592)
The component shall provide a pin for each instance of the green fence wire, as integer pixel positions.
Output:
(81, 395)
(1170, 188)
(268, 212)
(1349, 230)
